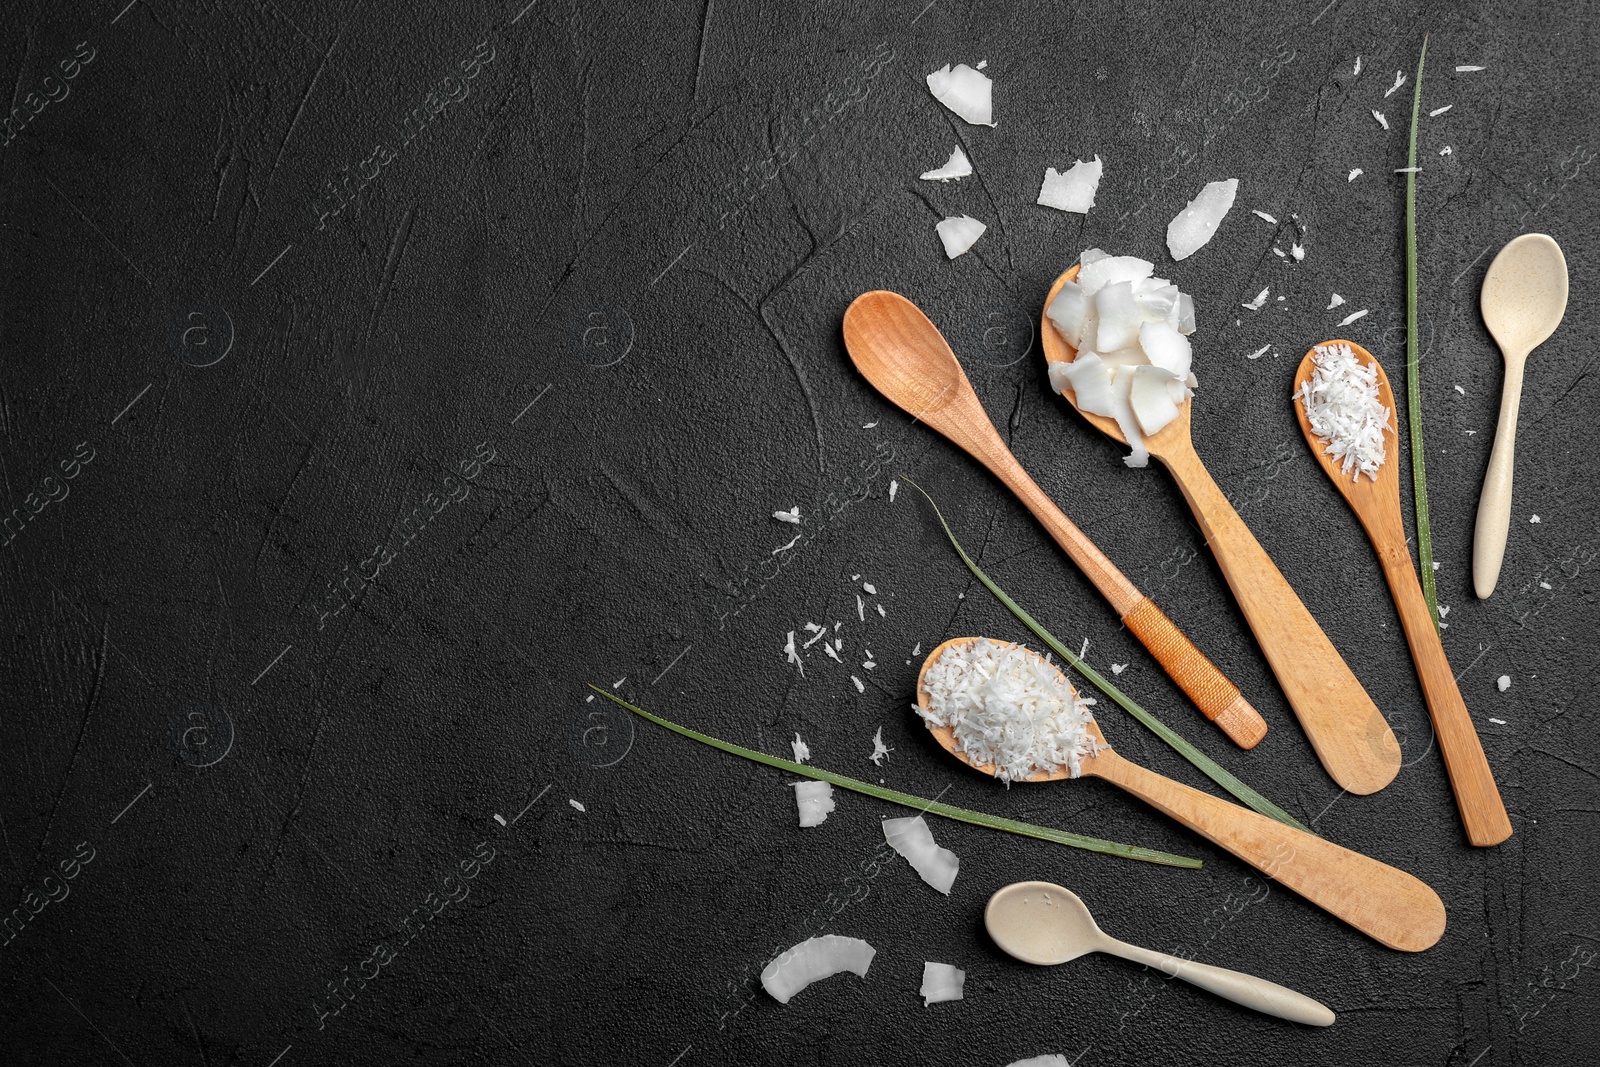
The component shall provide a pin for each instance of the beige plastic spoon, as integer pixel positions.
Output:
(1524, 296)
(1042, 923)
(1350, 735)
(1388, 905)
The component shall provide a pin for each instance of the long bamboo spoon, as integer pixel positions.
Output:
(1377, 505)
(903, 355)
(1388, 905)
(1348, 732)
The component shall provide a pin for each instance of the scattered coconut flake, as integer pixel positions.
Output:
(964, 91)
(579, 807)
(1335, 302)
(618, 683)
(1341, 403)
(868, 426)
(1446, 150)
(1261, 298)
(1435, 564)
(831, 653)
(1278, 252)
(861, 609)
(917, 651)
(1460, 390)
(1084, 651)
(1258, 353)
(787, 547)
(1189, 231)
(1051, 1059)
(861, 687)
(868, 664)
(588, 698)
(879, 749)
(981, 64)
(1008, 709)
(792, 515)
(1355, 172)
(821, 633)
(871, 589)
(894, 487)
(1381, 120)
(1353, 316)
(1299, 253)
(959, 166)
(1466, 69)
(1498, 722)
(814, 959)
(814, 801)
(1504, 682)
(1534, 519)
(1436, 112)
(1074, 190)
(1263, 216)
(793, 655)
(1118, 668)
(1399, 80)
(1408, 170)
(802, 751)
(1358, 67)
(912, 839)
(941, 982)
(1444, 610)
(882, 614)
(959, 233)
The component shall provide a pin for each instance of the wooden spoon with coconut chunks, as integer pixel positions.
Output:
(1350, 735)
(1377, 505)
(905, 357)
(1392, 907)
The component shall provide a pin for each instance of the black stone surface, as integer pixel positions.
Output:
(368, 429)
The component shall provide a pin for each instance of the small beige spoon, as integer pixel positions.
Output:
(1524, 296)
(1388, 905)
(1376, 503)
(1042, 923)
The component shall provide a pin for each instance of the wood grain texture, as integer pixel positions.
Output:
(1351, 737)
(1377, 504)
(900, 351)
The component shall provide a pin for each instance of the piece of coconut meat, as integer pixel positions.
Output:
(1148, 396)
(814, 959)
(941, 982)
(912, 839)
(959, 166)
(1074, 190)
(964, 91)
(959, 234)
(1198, 221)
(814, 801)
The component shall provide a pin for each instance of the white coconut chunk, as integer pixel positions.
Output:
(1178, 391)
(941, 982)
(1261, 298)
(1050, 1059)
(1355, 172)
(1147, 395)
(792, 515)
(959, 234)
(1504, 682)
(1074, 190)
(912, 839)
(802, 751)
(964, 91)
(959, 166)
(1335, 302)
(1157, 298)
(1166, 348)
(1184, 312)
(1089, 378)
(1382, 121)
(814, 959)
(1197, 223)
(1102, 270)
(1091, 255)
(814, 801)
(1120, 317)
(1068, 309)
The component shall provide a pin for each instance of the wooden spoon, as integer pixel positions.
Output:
(903, 355)
(1386, 904)
(1377, 505)
(1348, 732)
(1524, 296)
(1046, 924)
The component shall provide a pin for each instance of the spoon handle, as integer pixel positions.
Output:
(1349, 733)
(1266, 997)
(1483, 813)
(1494, 504)
(1388, 905)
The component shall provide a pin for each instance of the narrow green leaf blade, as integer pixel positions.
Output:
(1419, 473)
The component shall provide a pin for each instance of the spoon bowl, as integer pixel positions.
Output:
(1388, 905)
(1042, 923)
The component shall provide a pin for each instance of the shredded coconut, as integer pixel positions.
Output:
(802, 751)
(792, 515)
(1399, 80)
(1381, 120)
(1341, 404)
(1355, 173)
(1353, 316)
(879, 749)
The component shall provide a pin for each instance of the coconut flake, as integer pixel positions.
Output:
(1118, 668)
(1408, 170)
(959, 233)
(1399, 80)
(792, 515)
(814, 801)
(1446, 150)
(1341, 403)
(1355, 172)
(880, 751)
(871, 589)
(1464, 69)
(1335, 302)
(577, 806)
(1258, 353)
(793, 655)
(1504, 682)
(802, 751)
(787, 547)
(959, 166)
(1353, 316)
(1358, 67)
(861, 687)
(1051, 1059)
(1381, 120)
(814, 959)
(1436, 112)
(1261, 298)
(894, 487)
(1074, 190)
(912, 839)
(964, 91)
(941, 982)
(1189, 231)
(1263, 216)
(1299, 253)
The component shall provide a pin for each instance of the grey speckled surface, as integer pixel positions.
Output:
(569, 338)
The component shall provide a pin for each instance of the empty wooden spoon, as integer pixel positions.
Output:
(1350, 736)
(897, 349)
(1524, 296)
(1377, 504)
(1388, 905)
(1045, 924)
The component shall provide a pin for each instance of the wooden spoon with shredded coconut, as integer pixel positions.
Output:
(1345, 407)
(982, 699)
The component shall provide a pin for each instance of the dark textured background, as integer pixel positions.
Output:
(635, 223)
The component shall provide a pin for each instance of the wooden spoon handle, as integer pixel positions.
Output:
(1217, 698)
(1388, 905)
(1349, 733)
(1494, 504)
(1246, 989)
(1482, 811)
